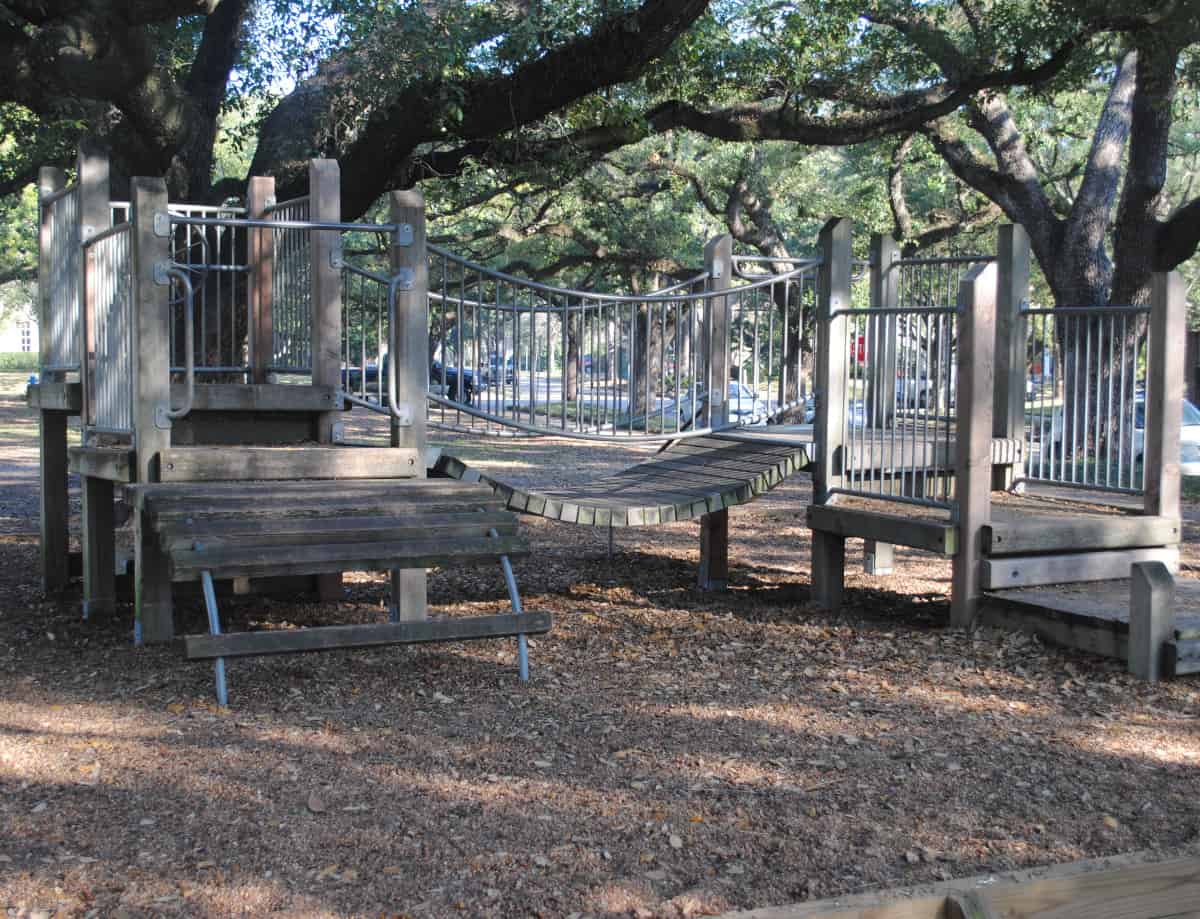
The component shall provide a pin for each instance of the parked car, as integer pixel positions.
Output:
(353, 380)
(1189, 434)
(745, 406)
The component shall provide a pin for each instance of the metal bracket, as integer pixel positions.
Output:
(162, 224)
(403, 235)
(337, 257)
(718, 268)
(161, 277)
(405, 278)
(162, 420)
(403, 416)
(88, 231)
(269, 201)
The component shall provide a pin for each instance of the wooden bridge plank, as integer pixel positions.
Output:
(1034, 534)
(205, 464)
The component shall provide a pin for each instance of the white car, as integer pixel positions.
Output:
(1189, 435)
(745, 406)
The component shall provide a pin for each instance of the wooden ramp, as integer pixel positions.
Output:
(692, 478)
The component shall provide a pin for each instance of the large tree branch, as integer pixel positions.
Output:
(1178, 239)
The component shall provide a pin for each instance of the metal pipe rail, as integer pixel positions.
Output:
(181, 276)
(260, 224)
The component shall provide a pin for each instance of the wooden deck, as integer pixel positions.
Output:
(694, 477)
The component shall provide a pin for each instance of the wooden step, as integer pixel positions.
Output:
(271, 560)
(1075, 567)
(215, 464)
(1034, 534)
(188, 534)
(246, 644)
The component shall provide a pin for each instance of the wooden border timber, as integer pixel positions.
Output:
(206, 464)
(1151, 618)
(1119, 887)
(973, 438)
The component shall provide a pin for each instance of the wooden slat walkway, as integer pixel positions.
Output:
(692, 478)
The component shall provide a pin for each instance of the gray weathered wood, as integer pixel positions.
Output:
(245, 644)
(238, 397)
(98, 537)
(1164, 395)
(1181, 657)
(718, 262)
(53, 504)
(50, 181)
(409, 346)
(152, 393)
(55, 397)
(116, 464)
(828, 569)
(1032, 570)
(833, 295)
(270, 560)
(1033, 534)
(325, 205)
(259, 279)
(1012, 294)
(713, 572)
(94, 216)
(973, 464)
(930, 535)
(879, 558)
(198, 464)
(1151, 618)
(881, 358)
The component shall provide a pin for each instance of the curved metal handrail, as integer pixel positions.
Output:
(189, 340)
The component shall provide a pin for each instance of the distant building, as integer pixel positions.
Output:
(19, 332)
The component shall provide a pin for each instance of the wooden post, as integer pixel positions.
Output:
(880, 367)
(881, 347)
(1012, 295)
(325, 206)
(97, 530)
(833, 350)
(973, 439)
(408, 354)
(52, 445)
(151, 399)
(1164, 396)
(260, 254)
(1151, 618)
(714, 551)
(878, 557)
(718, 262)
(828, 569)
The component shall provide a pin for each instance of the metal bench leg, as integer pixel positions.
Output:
(214, 627)
(515, 598)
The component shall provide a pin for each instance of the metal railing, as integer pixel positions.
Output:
(291, 286)
(108, 329)
(64, 279)
(1085, 396)
(898, 419)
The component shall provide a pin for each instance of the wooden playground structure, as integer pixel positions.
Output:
(209, 352)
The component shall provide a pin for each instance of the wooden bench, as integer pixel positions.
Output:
(240, 529)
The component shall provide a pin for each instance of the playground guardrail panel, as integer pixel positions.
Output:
(108, 261)
(65, 294)
(1086, 389)
(898, 419)
(291, 284)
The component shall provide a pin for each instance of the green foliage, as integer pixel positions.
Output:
(18, 360)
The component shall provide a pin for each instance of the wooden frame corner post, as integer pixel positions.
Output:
(260, 193)
(1164, 396)
(408, 354)
(151, 398)
(973, 438)
(1012, 295)
(52, 442)
(97, 526)
(713, 570)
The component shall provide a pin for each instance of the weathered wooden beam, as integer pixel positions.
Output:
(53, 504)
(1034, 534)
(55, 397)
(1012, 295)
(713, 571)
(259, 194)
(1032, 570)
(829, 381)
(98, 537)
(828, 569)
(1151, 618)
(718, 262)
(930, 535)
(1164, 395)
(883, 331)
(240, 397)
(973, 463)
(247, 644)
(116, 464)
(206, 464)
(338, 531)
